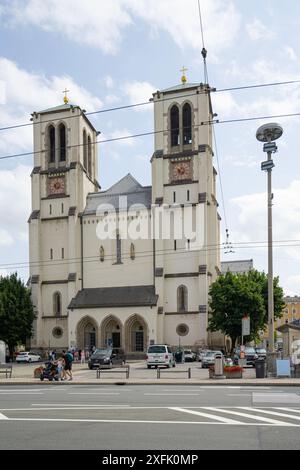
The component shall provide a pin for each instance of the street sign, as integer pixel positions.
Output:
(268, 165)
(246, 326)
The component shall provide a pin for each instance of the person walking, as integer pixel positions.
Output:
(82, 357)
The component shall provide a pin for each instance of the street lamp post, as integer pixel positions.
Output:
(268, 133)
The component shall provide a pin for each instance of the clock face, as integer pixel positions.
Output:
(181, 171)
(57, 186)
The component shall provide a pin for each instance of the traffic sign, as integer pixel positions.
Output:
(246, 326)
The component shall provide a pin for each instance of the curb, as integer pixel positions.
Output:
(158, 382)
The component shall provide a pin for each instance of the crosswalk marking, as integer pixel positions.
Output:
(275, 413)
(2, 416)
(288, 409)
(246, 415)
(207, 415)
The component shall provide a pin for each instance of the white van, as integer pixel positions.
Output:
(160, 355)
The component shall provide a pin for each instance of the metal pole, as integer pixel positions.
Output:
(270, 262)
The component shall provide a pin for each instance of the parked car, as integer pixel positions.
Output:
(189, 356)
(202, 353)
(160, 355)
(250, 356)
(28, 356)
(261, 352)
(106, 358)
(209, 358)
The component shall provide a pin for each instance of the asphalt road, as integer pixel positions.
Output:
(149, 417)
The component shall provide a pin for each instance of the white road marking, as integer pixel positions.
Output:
(288, 409)
(132, 421)
(238, 395)
(94, 393)
(275, 398)
(23, 393)
(2, 416)
(30, 389)
(275, 413)
(75, 404)
(245, 415)
(207, 415)
(173, 394)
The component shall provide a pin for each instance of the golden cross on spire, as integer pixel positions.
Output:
(183, 78)
(66, 99)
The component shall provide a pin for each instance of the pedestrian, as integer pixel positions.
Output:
(82, 357)
(68, 358)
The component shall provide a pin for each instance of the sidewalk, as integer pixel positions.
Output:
(140, 375)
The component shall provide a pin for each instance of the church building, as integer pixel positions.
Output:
(95, 281)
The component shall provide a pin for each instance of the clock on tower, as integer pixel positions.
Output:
(181, 170)
(56, 186)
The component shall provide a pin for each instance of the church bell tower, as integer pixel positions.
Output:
(65, 171)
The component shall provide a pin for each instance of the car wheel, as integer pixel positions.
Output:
(148, 367)
(174, 364)
(29, 360)
(90, 367)
(42, 378)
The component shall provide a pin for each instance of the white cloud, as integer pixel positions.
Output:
(112, 99)
(97, 24)
(27, 92)
(109, 83)
(257, 30)
(101, 24)
(180, 19)
(250, 221)
(291, 53)
(140, 92)
(293, 285)
(119, 134)
(15, 200)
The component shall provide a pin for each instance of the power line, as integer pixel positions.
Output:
(149, 254)
(145, 134)
(135, 105)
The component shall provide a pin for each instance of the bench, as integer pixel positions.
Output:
(124, 369)
(6, 369)
(160, 370)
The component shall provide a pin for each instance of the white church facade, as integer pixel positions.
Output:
(95, 280)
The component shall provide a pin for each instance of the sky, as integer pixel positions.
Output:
(119, 52)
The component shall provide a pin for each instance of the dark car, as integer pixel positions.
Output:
(250, 356)
(106, 358)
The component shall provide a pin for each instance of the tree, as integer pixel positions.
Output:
(16, 311)
(232, 296)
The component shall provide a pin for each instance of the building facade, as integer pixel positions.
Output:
(95, 279)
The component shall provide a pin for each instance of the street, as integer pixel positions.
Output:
(149, 417)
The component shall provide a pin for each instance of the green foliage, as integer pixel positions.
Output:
(16, 311)
(232, 296)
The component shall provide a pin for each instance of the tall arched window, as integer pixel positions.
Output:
(182, 299)
(51, 143)
(85, 150)
(57, 304)
(174, 126)
(62, 143)
(89, 156)
(187, 124)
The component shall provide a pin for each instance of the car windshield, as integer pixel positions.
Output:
(261, 350)
(23, 353)
(157, 349)
(102, 352)
(210, 353)
(250, 350)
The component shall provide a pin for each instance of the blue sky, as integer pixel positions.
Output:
(119, 52)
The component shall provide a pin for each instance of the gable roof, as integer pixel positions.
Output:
(136, 194)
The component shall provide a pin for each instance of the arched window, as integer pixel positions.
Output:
(85, 150)
(182, 299)
(132, 251)
(57, 304)
(89, 156)
(174, 126)
(62, 143)
(51, 144)
(187, 124)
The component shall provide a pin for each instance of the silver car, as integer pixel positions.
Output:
(209, 358)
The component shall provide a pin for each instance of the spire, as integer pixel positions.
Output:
(183, 78)
(66, 99)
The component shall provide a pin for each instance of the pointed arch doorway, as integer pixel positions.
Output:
(111, 332)
(136, 334)
(87, 336)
